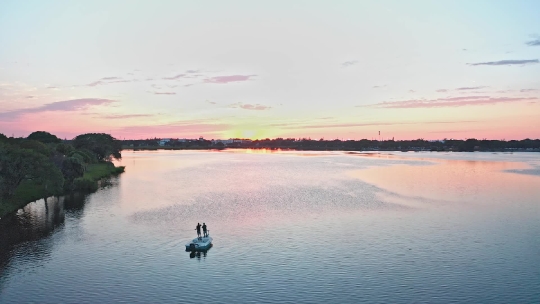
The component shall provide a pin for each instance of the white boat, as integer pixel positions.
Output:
(202, 243)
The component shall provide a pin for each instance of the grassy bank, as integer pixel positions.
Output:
(29, 191)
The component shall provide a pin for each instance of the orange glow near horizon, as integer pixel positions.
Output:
(500, 122)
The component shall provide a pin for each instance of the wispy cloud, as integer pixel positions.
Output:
(247, 106)
(107, 80)
(125, 116)
(528, 90)
(66, 105)
(95, 83)
(470, 88)
(186, 74)
(175, 77)
(180, 129)
(379, 86)
(125, 80)
(228, 79)
(450, 102)
(349, 63)
(506, 62)
(256, 107)
(535, 42)
(369, 124)
(164, 93)
(441, 90)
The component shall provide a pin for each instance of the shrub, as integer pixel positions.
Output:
(84, 185)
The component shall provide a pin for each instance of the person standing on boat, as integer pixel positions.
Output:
(198, 230)
(205, 233)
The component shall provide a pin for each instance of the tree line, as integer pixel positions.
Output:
(392, 145)
(457, 145)
(56, 166)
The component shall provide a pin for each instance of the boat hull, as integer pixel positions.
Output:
(199, 244)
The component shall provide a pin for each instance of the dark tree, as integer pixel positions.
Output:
(35, 146)
(72, 168)
(44, 137)
(17, 165)
(103, 146)
(64, 149)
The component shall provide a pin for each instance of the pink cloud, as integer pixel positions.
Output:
(108, 80)
(95, 83)
(256, 107)
(227, 79)
(175, 77)
(369, 124)
(57, 122)
(124, 116)
(66, 105)
(470, 88)
(450, 102)
(247, 106)
(182, 129)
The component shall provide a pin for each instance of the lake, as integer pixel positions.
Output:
(288, 227)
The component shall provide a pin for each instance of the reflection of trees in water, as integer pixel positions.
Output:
(20, 233)
(74, 205)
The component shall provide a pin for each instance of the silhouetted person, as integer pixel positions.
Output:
(198, 230)
(205, 233)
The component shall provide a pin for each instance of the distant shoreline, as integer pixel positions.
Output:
(315, 149)
(454, 145)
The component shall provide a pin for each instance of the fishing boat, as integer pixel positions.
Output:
(198, 244)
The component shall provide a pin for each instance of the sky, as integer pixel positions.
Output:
(267, 69)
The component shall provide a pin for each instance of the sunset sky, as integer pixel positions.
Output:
(258, 69)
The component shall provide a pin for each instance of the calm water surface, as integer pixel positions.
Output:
(288, 227)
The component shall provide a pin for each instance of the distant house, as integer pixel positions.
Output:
(223, 141)
(230, 141)
(164, 141)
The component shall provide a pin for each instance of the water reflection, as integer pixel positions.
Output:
(320, 229)
(198, 253)
(457, 180)
(21, 232)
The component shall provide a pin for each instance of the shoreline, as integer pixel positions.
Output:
(315, 149)
(29, 191)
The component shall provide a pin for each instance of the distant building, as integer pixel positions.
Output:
(164, 141)
(230, 141)
(223, 141)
